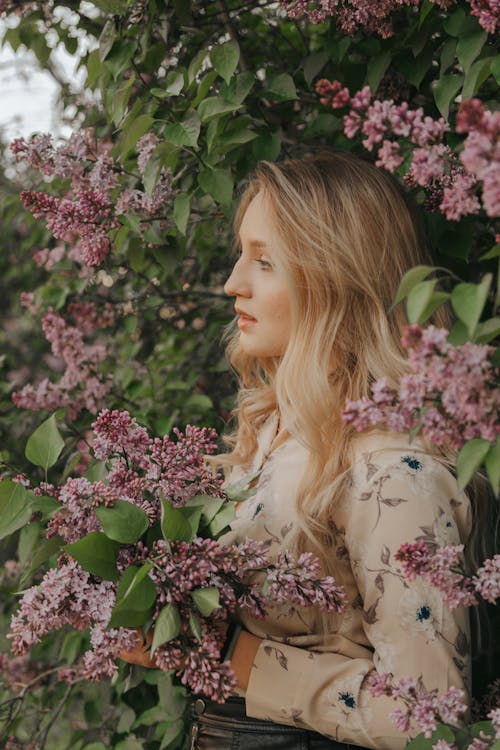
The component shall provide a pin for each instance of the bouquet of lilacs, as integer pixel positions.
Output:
(451, 397)
(138, 547)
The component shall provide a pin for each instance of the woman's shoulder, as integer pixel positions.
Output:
(398, 458)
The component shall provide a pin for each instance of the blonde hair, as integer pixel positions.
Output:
(346, 234)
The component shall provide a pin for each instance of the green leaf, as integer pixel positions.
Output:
(470, 458)
(495, 68)
(225, 58)
(447, 55)
(120, 56)
(222, 519)
(239, 88)
(218, 183)
(207, 600)
(323, 124)
(281, 87)
(186, 132)
(44, 446)
(240, 490)
(410, 279)
(469, 46)
(376, 69)
(493, 253)
(124, 522)
(313, 64)
(437, 300)
(418, 299)
(477, 75)
(133, 131)
(468, 301)
(167, 626)
(182, 209)
(209, 506)
(442, 732)
(174, 524)
(267, 146)
(96, 554)
(43, 552)
(195, 626)
(459, 23)
(15, 507)
(487, 330)
(445, 92)
(106, 39)
(193, 514)
(174, 83)
(120, 100)
(135, 597)
(47, 506)
(492, 463)
(215, 106)
(28, 537)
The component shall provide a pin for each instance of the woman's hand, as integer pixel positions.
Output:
(243, 657)
(140, 654)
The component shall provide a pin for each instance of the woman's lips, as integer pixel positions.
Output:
(244, 320)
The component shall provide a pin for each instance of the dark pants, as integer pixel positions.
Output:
(216, 726)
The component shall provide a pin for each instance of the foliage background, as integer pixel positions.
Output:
(222, 84)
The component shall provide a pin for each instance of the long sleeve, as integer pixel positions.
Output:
(391, 625)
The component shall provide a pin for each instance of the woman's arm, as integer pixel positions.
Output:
(411, 630)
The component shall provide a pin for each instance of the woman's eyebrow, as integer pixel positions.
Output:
(255, 244)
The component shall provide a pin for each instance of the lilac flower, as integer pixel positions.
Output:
(451, 394)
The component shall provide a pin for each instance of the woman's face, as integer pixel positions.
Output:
(262, 300)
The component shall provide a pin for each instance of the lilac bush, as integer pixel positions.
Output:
(114, 574)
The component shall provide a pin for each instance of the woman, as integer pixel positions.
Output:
(324, 242)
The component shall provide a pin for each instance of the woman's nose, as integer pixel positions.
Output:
(237, 284)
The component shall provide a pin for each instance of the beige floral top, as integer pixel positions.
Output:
(396, 493)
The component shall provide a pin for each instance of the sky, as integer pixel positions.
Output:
(28, 96)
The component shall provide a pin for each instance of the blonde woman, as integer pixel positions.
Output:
(324, 242)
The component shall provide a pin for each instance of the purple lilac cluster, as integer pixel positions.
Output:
(81, 385)
(443, 569)
(396, 131)
(85, 217)
(423, 709)
(451, 395)
(145, 472)
(374, 16)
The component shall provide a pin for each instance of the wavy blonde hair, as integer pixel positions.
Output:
(346, 234)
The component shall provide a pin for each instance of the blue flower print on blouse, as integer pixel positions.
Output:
(348, 699)
(412, 462)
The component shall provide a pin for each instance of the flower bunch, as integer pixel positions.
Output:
(140, 548)
(98, 193)
(444, 569)
(425, 710)
(451, 394)
(81, 385)
(396, 130)
(374, 16)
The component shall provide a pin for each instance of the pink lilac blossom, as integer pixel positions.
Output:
(443, 569)
(68, 596)
(494, 717)
(374, 16)
(81, 385)
(451, 394)
(422, 708)
(451, 181)
(86, 215)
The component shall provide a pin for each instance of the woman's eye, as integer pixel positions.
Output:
(264, 264)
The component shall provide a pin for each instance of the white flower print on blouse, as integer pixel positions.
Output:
(346, 702)
(418, 469)
(385, 654)
(420, 610)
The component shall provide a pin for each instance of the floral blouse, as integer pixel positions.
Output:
(397, 493)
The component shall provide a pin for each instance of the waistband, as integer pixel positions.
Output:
(232, 715)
